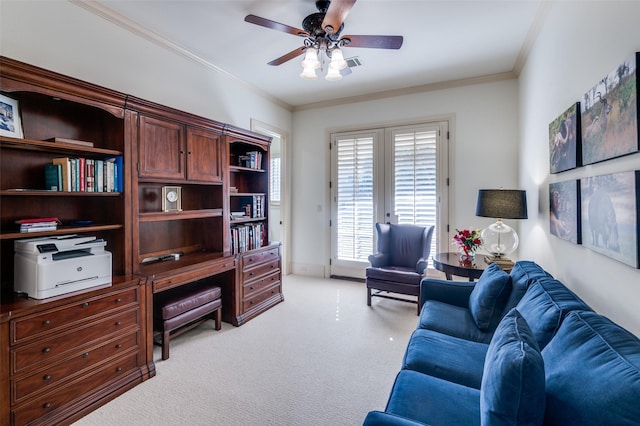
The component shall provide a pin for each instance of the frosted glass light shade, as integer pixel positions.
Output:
(499, 239)
(337, 60)
(308, 73)
(311, 59)
(333, 74)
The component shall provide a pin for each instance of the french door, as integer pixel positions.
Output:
(396, 175)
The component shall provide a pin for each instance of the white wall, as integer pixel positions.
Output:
(579, 44)
(63, 37)
(484, 149)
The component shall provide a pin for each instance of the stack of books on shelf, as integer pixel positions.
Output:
(38, 224)
(251, 160)
(258, 206)
(85, 175)
(247, 237)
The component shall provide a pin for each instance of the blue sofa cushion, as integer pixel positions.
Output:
(430, 400)
(523, 274)
(593, 373)
(513, 382)
(451, 320)
(449, 358)
(544, 306)
(489, 296)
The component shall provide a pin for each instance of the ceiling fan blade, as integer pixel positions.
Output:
(336, 14)
(289, 56)
(263, 22)
(373, 41)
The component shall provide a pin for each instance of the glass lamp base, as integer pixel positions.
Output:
(499, 240)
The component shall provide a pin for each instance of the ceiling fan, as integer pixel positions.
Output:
(321, 35)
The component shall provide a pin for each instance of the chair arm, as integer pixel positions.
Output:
(375, 418)
(421, 265)
(452, 292)
(379, 260)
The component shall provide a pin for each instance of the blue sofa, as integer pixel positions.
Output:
(513, 349)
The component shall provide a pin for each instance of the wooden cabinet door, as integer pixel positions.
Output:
(203, 156)
(161, 149)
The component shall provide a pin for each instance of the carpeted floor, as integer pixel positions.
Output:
(322, 357)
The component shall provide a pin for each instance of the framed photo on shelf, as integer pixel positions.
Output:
(610, 215)
(564, 210)
(10, 123)
(609, 114)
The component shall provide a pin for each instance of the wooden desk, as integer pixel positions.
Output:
(450, 264)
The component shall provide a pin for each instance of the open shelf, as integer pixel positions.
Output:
(56, 147)
(181, 215)
(60, 231)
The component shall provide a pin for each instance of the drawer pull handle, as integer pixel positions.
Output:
(118, 300)
(85, 355)
(46, 323)
(46, 350)
(118, 324)
(118, 346)
(46, 405)
(85, 304)
(46, 378)
(250, 287)
(119, 369)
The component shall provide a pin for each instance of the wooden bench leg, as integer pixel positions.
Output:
(368, 297)
(218, 318)
(165, 345)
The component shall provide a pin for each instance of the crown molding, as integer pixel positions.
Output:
(137, 29)
(532, 35)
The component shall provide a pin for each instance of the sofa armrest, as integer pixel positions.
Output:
(375, 418)
(379, 260)
(452, 292)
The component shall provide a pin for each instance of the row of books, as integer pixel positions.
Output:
(38, 224)
(251, 160)
(85, 175)
(248, 237)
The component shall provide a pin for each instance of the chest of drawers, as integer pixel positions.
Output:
(260, 280)
(70, 354)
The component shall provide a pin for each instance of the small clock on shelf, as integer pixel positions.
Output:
(171, 198)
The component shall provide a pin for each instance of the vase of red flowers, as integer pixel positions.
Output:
(468, 241)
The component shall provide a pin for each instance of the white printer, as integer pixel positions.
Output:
(46, 267)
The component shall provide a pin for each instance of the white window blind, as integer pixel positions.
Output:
(414, 192)
(274, 181)
(354, 197)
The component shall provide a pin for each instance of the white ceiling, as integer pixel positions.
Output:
(444, 40)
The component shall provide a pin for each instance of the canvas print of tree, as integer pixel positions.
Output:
(564, 210)
(609, 206)
(564, 138)
(609, 114)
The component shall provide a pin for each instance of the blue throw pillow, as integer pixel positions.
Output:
(489, 296)
(513, 383)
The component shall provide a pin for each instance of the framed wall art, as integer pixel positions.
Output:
(609, 114)
(10, 123)
(564, 140)
(609, 206)
(564, 210)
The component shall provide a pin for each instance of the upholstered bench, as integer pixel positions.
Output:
(177, 313)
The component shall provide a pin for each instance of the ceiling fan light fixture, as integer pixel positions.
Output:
(311, 59)
(337, 60)
(333, 74)
(309, 73)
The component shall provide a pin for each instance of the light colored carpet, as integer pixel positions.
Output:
(321, 357)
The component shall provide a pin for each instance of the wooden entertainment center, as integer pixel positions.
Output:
(64, 356)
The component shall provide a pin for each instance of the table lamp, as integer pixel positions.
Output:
(500, 239)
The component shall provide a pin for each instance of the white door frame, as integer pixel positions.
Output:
(285, 187)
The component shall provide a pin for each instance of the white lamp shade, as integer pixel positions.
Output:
(308, 73)
(333, 74)
(311, 59)
(337, 60)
